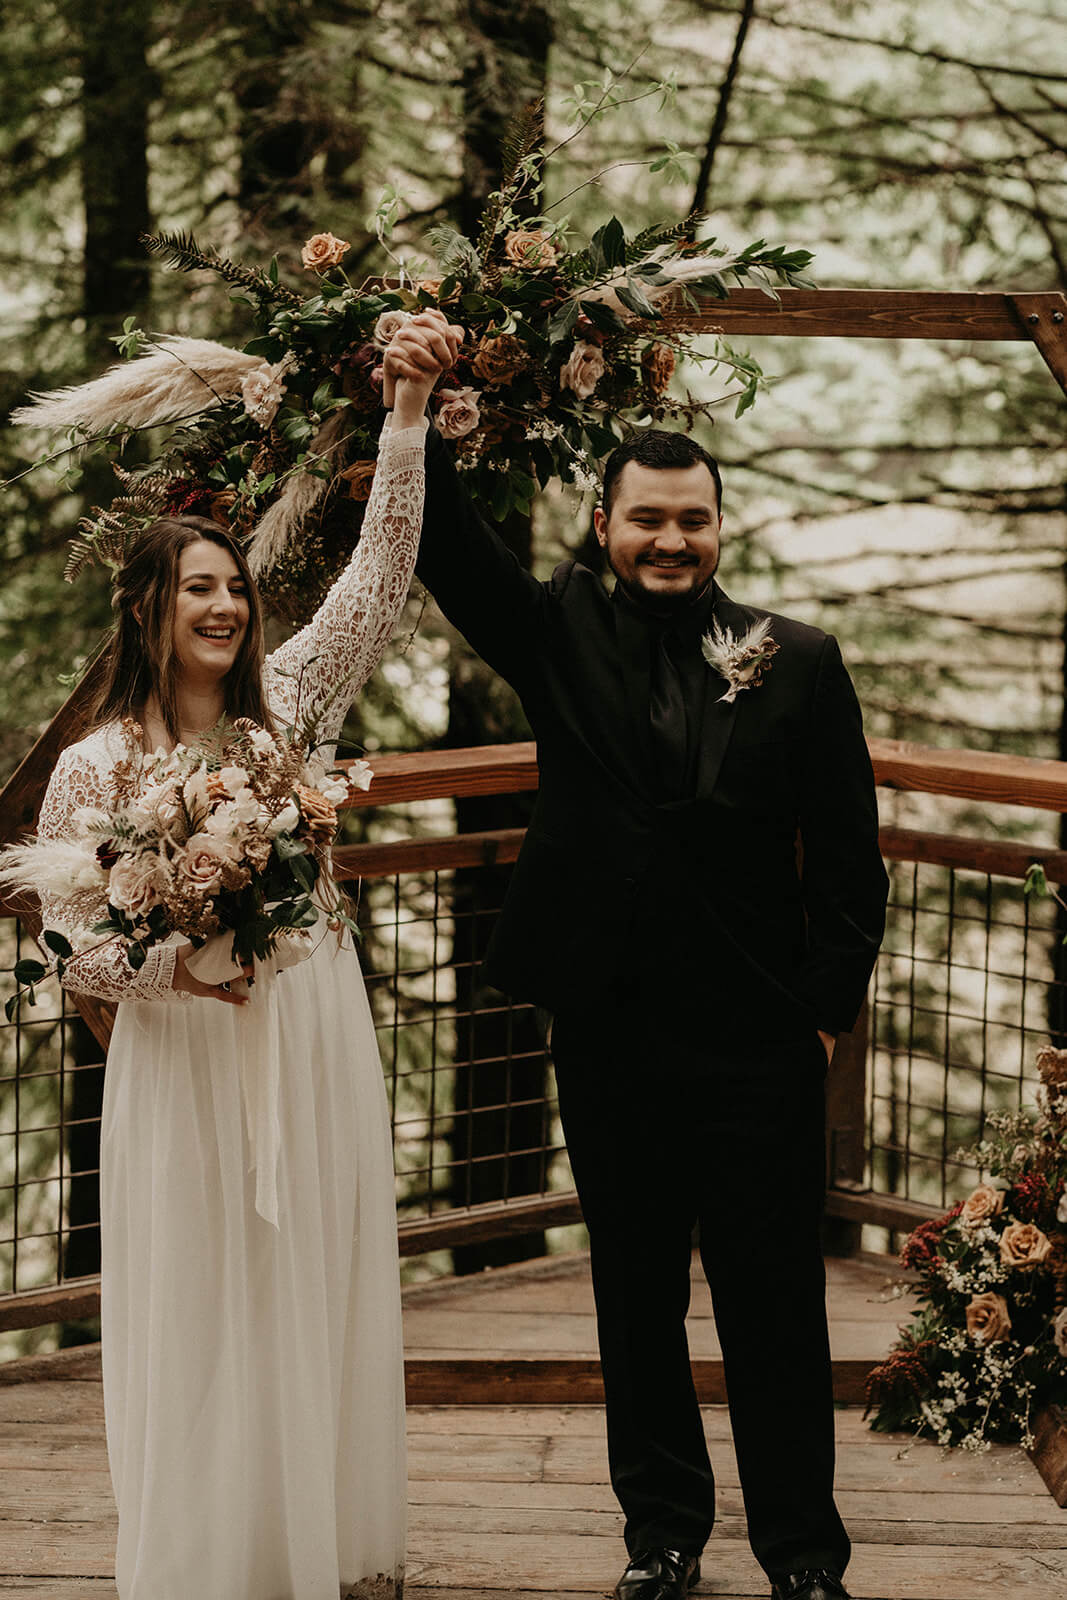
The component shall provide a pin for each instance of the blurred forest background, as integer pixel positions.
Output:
(909, 496)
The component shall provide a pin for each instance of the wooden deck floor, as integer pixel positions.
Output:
(512, 1501)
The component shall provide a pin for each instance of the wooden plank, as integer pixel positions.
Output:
(21, 796)
(865, 314)
(497, 1220)
(437, 774)
(588, 1564)
(494, 847)
(1002, 859)
(970, 774)
(1049, 1453)
(74, 1301)
(1010, 1517)
(1043, 317)
(881, 1210)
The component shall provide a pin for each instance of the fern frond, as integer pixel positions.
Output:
(659, 233)
(521, 139)
(453, 252)
(181, 251)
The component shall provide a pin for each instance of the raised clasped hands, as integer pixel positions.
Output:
(420, 351)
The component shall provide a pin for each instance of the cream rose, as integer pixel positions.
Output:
(983, 1203)
(1022, 1244)
(530, 248)
(324, 250)
(262, 391)
(458, 414)
(202, 861)
(388, 326)
(583, 370)
(987, 1318)
(134, 885)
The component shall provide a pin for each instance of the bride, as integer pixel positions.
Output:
(253, 1370)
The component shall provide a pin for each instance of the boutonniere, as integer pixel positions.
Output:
(742, 662)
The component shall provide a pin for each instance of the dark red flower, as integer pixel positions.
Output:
(920, 1247)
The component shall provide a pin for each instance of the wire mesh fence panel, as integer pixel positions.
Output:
(965, 986)
(470, 1083)
(49, 1133)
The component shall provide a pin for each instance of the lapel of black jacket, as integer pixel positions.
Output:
(719, 716)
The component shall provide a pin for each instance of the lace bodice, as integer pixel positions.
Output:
(318, 671)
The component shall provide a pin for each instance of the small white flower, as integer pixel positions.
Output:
(1061, 1209)
(360, 774)
(287, 818)
(262, 391)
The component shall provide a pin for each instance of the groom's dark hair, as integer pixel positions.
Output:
(655, 447)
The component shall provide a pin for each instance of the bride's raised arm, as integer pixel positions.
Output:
(318, 672)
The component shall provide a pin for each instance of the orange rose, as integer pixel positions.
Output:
(1052, 1065)
(319, 813)
(497, 361)
(1022, 1244)
(985, 1202)
(359, 477)
(530, 248)
(987, 1318)
(658, 363)
(324, 250)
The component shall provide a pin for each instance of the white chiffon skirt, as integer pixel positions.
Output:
(253, 1374)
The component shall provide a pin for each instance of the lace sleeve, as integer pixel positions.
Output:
(100, 967)
(320, 669)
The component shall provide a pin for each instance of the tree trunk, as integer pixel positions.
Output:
(117, 89)
(501, 1067)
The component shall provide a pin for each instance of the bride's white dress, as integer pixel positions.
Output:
(253, 1371)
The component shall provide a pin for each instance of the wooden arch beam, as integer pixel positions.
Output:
(982, 316)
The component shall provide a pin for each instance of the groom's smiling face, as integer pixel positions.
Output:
(662, 531)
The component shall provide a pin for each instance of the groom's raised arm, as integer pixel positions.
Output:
(480, 586)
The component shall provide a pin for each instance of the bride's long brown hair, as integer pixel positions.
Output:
(141, 659)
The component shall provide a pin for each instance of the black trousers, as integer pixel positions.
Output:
(666, 1127)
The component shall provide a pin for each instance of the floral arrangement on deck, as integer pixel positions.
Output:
(224, 841)
(568, 343)
(988, 1344)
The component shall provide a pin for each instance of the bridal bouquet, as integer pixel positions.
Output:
(988, 1344)
(569, 342)
(224, 842)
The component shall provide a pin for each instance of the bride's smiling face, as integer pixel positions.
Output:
(211, 611)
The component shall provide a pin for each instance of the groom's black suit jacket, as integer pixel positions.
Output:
(699, 901)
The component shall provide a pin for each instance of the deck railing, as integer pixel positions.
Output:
(968, 985)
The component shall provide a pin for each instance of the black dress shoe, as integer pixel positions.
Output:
(809, 1586)
(658, 1575)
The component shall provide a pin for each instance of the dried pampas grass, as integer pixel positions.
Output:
(675, 270)
(178, 378)
(274, 531)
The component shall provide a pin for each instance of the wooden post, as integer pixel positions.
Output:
(846, 1129)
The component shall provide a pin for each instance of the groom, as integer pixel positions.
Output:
(699, 901)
